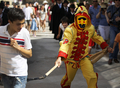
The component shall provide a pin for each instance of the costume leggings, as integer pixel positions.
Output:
(87, 70)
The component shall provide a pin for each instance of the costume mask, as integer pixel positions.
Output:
(82, 22)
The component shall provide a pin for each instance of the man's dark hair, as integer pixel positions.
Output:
(65, 20)
(15, 14)
(7, 3)
(80, 4)
(65, 1)
(72, 6)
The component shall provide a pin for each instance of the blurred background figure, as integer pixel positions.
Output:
(31, 5)
(28, 12)
(65, 8)
(3, 14)
(57, 14)
(113, 18)
(45, 3)
(70, 14)
(7, 4)
(49, 16)
(43, 17)
(35, 3)
(20, 2)
(15, 5)
(34, 25)
(87, 5)
(111, 2)
(93, 11)
(103, 26)
(64, 23)
(38, 17)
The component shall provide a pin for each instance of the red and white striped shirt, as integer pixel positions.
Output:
(11, 61)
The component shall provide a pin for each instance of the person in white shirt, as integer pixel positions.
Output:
(43, 16)
(35, 2)
(46, 5)
(15, 48)
(64, 23)
(28, 12)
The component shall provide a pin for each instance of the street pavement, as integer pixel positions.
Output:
(45, 51)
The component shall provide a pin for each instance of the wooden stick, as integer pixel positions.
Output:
(98, 56)
(98, 53)
(52, 69)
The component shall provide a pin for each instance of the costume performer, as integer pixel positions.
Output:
(74, 49)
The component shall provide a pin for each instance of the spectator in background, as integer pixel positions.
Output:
(15, 5)
(35, 6)
(70, 14)
(111, 2)
(87, 6)
(35, 3)
(45, 3)
(7, 4)
(80, 4)
(43, 16)
(30, 4)
(103, 26)
(65, 8)
(57, 14)
(34, 25)
(28, 12)
(38, 17)
(113, 14)
(49, 17)
(20, 2)
(3, 14)
(117, 40)
(93, 11)
(64, 23)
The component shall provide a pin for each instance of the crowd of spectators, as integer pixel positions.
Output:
(101, 15)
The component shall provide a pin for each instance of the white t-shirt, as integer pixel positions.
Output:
(35, 3)
(12, 62)
(63, 29)
(14, 1)
(42, 15)
(28, 11)
(46, 7)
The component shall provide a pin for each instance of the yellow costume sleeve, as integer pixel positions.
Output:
(99, 40)
(64, 44)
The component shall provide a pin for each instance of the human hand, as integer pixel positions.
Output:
(100, 10)
(117, 19)
(14, 43)
(58, 36)
(58, 61)
(108, 21)
(110, 50)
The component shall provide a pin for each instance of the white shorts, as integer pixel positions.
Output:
(104, 31)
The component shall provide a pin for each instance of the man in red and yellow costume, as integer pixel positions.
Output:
(74, 49)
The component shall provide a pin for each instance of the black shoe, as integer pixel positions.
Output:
(110, 61)
(116, 61)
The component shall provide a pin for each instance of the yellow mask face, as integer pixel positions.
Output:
(82, 22)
